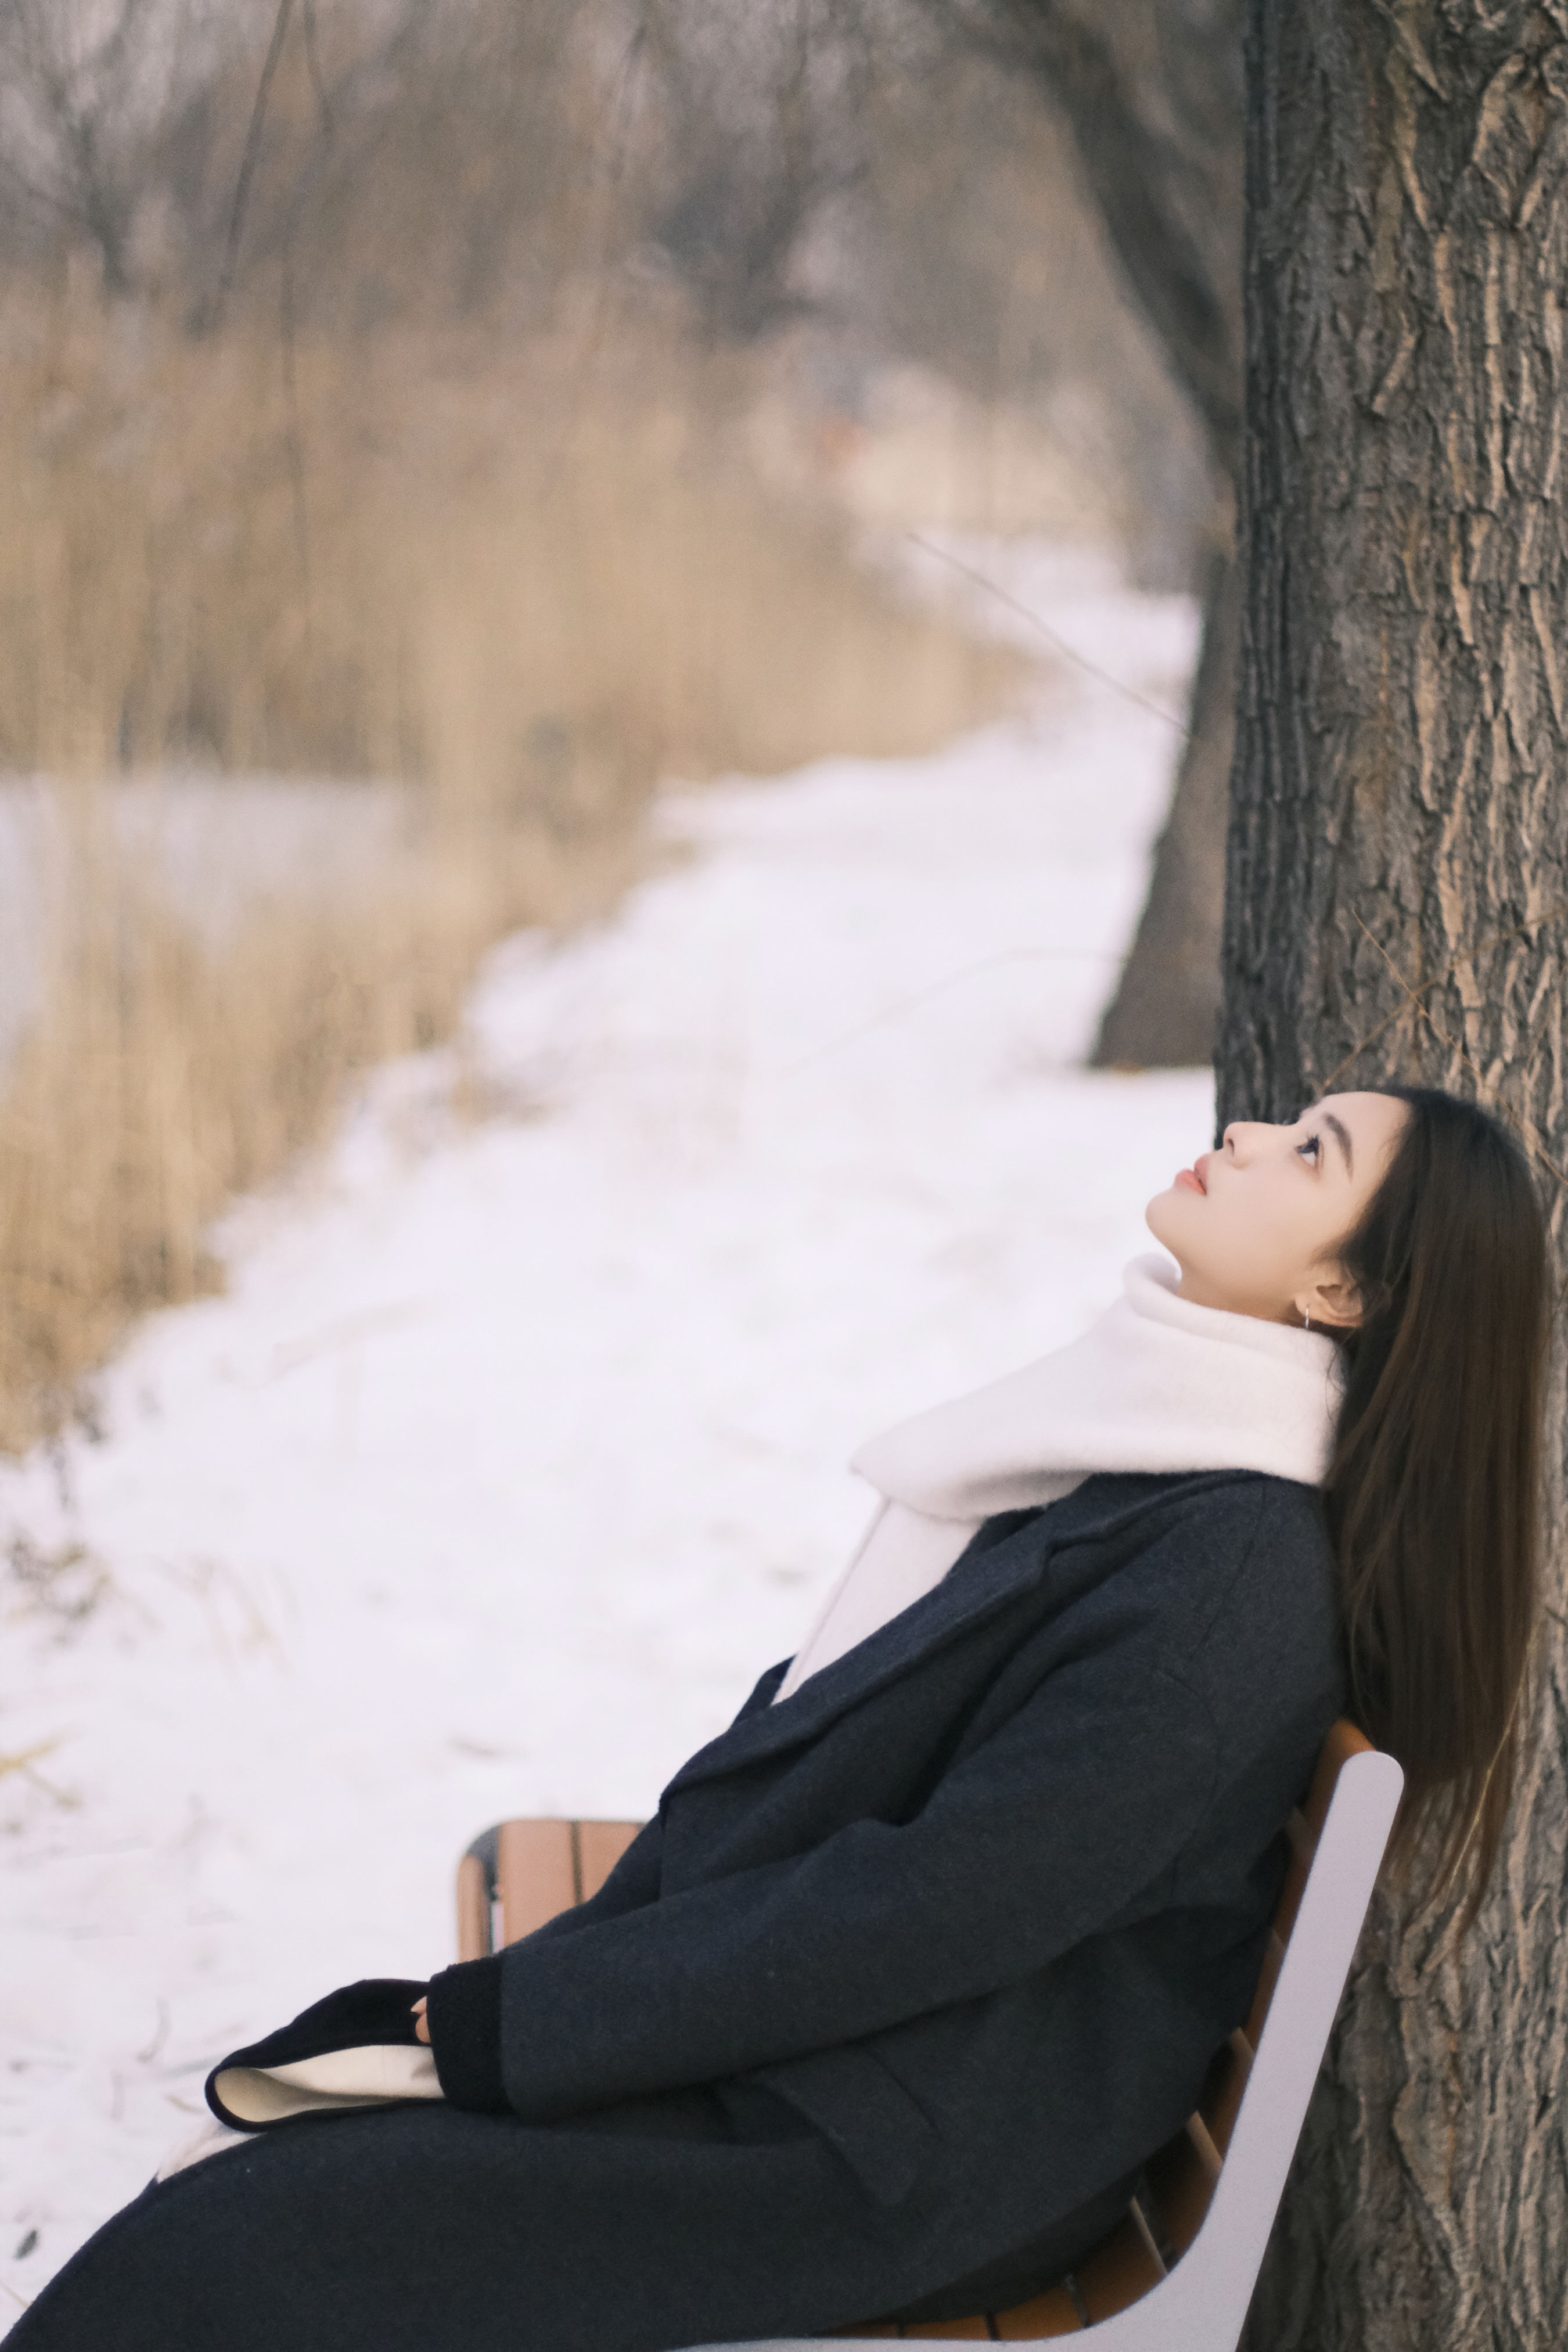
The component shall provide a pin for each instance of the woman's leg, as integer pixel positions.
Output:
(420, 2229)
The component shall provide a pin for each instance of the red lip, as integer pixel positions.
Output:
(1193, 1177)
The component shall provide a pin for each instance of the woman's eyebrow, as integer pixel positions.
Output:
(1341, 1134)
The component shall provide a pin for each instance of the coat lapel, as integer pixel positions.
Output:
(964, 1598)
(976, 1588)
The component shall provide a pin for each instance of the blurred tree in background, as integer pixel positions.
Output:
(1152, 93)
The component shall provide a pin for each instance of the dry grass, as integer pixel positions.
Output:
(228, 551)
(169, 1070)
(525, 589)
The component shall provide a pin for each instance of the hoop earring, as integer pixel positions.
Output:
(1305, 1321)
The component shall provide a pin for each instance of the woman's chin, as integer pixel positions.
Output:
(1163, 1216)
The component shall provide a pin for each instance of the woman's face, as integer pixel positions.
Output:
(1257, 1226)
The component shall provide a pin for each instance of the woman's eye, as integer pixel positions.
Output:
(1311, 1147)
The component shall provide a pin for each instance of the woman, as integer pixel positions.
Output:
(926, 1953)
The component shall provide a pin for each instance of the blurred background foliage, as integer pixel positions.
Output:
(493, 405)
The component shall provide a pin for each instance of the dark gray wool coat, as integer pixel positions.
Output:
(909, 1975)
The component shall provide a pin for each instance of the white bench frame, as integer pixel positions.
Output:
(1201, 2304)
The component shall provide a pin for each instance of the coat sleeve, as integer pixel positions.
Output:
(1066, 1822)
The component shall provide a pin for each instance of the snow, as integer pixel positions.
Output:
(514, 1451)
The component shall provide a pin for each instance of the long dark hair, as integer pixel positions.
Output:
(1434, 1491)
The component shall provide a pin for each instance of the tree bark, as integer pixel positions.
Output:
(1151, 91)
(1396, 882)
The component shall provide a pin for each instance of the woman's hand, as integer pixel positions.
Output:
(421, 2023)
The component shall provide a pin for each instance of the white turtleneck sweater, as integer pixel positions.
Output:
(1156, 1384)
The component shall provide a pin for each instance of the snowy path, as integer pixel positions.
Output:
(514, 1451)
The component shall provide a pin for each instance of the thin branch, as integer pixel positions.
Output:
(919, 996)
(112, 48)
(598, 318)
(1045, 630)
(49, 198)
(295, 439)
(313, 68)
(248, 160)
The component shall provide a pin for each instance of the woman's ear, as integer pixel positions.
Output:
(1330, 1302)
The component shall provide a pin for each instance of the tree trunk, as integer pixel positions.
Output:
(1151, 91)
(1165, 1012)
(1396, 882)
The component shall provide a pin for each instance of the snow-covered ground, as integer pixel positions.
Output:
(515, 1450)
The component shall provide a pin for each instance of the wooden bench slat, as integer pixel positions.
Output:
(1222, 2094)
(1268, 1978)
(1183, 2188)
(600, 1845)
(473, 1910)
(1052, 2314)
(1304, 1846)
(1121, 2269)
(949, 2331)
(536, 1874)
(1343, 1742)
(1203, 2146)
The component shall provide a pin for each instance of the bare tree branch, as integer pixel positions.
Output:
(247, 164)
(1152, 90)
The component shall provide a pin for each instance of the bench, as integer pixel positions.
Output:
(1177, 2273)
